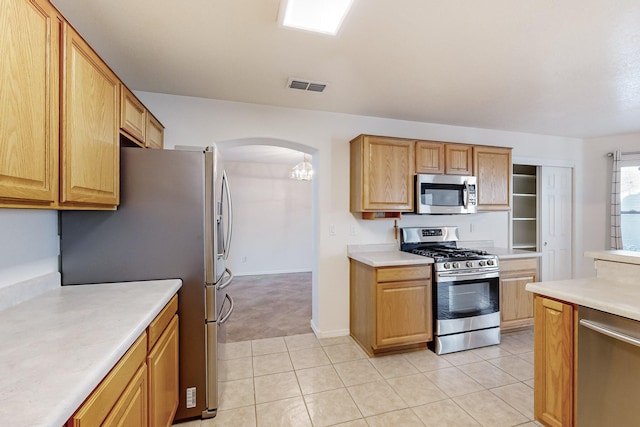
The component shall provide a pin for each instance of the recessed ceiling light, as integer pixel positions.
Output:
(322, 16)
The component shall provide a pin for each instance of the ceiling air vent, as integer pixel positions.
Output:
(305, 85)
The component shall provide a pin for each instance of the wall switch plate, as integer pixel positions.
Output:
(332, 229)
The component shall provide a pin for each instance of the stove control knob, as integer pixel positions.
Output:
(483, 263)
(490, 262)
(456, 265)
(447, 265)
(469, 264)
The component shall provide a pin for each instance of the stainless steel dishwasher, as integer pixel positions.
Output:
(608, 369)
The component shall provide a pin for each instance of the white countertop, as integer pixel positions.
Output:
(387, 255)
(627, 257)
(614, 297)
(389, 258)
(58, 346)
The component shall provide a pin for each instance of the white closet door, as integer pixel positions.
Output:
(556, 222)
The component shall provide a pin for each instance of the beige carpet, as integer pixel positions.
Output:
(267, 306)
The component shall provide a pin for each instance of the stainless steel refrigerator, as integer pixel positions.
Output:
(174, 221)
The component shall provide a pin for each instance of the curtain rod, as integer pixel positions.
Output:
(625, 153)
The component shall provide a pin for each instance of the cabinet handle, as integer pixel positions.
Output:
(610, 333)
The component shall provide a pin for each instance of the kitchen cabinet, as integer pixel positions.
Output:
(430, 157)
(162, 364)
(61, 115)
(154, 134)
(133, 116)
(555, 339)
(29, 89)
(382, 171)
(137, 123)
(492, 167)
(434, 157)
(90, 165)
(142, 388)
(390, 307)
(114, 397)
(458, 159)
(516, 304)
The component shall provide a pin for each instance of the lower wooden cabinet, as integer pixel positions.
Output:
(390, 306)
(131, 408)
(555, 337)
(516, 303)
(163, 377)
(142, 388)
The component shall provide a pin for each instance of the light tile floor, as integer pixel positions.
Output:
(302, 381)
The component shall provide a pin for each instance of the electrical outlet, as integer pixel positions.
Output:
(244, 259)
(352, 230)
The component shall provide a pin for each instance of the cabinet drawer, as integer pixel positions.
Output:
(519, 265)
(162, 320)
(395, 274)
(97, 407)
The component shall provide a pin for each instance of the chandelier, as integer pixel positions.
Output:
(302, 171)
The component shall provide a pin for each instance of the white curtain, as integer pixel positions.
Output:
(616, 235)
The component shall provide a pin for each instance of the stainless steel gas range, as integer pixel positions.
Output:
(466, 296)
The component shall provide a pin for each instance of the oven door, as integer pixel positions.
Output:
(466, 302)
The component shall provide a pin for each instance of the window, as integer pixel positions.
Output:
(630, 205)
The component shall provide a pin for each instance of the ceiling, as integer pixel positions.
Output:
(567, 68)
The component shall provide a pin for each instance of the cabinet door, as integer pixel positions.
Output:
(29, 41)
(492, 166)
(388, 170)
(430, 157)
(155, 133)
(403, 313)
(516, 304)
(163, 377)
(458, 159)
(553, 362)
(133, 116)
(131, 408)
(90, 137)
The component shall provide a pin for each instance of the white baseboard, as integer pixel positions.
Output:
(329, 334)
(261, 273)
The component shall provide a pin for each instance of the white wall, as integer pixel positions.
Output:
(28, 244)
(197, 121)
(273, 229)
(597, 190)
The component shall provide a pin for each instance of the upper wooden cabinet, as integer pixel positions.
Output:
(133, 116)
(430, 157)
(90, 133)
(137, 123)
(458, 159)
(492, 166)
(154, 137)
(29, 92)
(382, 172)
(60, 105)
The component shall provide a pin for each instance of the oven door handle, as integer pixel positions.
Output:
(452, 277)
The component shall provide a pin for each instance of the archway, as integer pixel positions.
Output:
(274, 229)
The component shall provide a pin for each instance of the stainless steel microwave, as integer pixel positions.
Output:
(446, 194)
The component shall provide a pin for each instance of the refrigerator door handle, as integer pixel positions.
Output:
(227, 243)
(228, 313)
(228, 280)
(211, 370)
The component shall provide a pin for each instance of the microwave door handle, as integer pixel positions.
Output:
(466, 195)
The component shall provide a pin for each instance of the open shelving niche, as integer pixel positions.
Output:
(524, 217)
